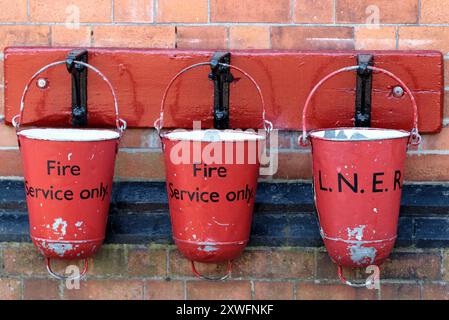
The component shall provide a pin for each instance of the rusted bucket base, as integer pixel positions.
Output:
(358, 254)
(67, 250)
(211, 252)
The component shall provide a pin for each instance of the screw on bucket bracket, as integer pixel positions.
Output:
(363, 91)
(222, 77)
(79, 86)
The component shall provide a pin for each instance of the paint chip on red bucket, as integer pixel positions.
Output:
(68, 177)
(211, 179)
(357, 184)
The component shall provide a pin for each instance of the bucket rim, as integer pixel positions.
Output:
(404, 134)
(241, 136)
(55, 134)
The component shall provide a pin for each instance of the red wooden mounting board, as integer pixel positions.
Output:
(285, 77)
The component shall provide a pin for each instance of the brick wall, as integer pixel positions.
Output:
(160, 272)
(125, 271)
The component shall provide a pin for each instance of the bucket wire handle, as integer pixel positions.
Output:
(17, 119)
(159, 123)
(221, 278)
(415, 137)
(60, 277)
(364, 284)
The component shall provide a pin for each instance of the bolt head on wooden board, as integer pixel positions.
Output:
(285, 77)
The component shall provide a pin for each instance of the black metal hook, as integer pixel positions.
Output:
(363, 91)
(79, 86)
(221, 76)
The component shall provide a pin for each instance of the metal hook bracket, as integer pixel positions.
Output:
(363, 91)
(221, 76)
(79, 86)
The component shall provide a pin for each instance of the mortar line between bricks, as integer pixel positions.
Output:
(208, 12)
(28, 11)
(292, 11)
(253, 290)
(155, 10)
(113, 11)
(230, 23)
(167, 263)
(334, 12)
(397, 37)
(419, 12)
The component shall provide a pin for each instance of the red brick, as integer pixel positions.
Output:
(400, 291)
(164, 290)
(16, 35)
(314, 11)
(134, 36)
(211, 37)
(293, 264)
(226, 290)
(8, 137)
(411, 266)
(434, 11)
(436, 292)
(109, 289)
(425, 38)
(250, 11)
(11, 163)
(180, 266)
(427, 167)
(193, 11)
(294, 165)
(273, 290)
(438, 141)
(147, 262)
(139, 165)
(278, 264)
(67, 10)
(375, 39)
(40, 289)
(13, 11)
(358, 11)
(108, 261)
(326, 269)
(133, 10)
(140, 138)
(9, 289)
(253, 264)
(22, 260)
(63, 36)
(317, 38)
(249, 37)
(321, 291)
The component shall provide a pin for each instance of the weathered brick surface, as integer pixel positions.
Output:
(193, 37)
(133, 11)
(194, 11)
(147, 262)
(140, 272)
(318, 38)
(40, 289)
(360, 11)
(314, 11)
(229, 290)
(273, 290)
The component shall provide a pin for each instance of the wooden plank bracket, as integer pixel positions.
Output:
(139, 77)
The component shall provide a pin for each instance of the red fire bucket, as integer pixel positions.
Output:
(68, 182)
(211, 179)
(357, 183)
